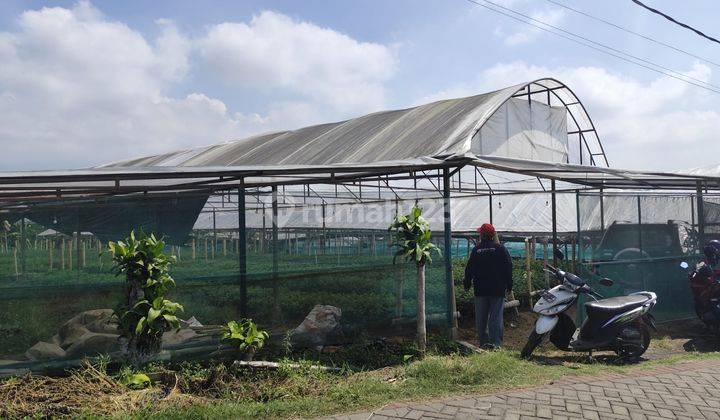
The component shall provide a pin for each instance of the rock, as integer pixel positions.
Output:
(43, 351)
(323, 320)
(176, 338)
(80, 324)
(88, 317)
(70, 333)
(192, 323)
(103, 326)
(92, 344)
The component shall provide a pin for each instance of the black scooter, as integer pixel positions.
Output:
(619, 324)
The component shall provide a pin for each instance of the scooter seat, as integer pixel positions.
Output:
(615, 305)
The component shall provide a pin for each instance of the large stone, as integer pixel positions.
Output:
(88, 317)
(322, 321)
(44, 351)
(192, 323)
(70, 333)
(94, 320)
(174, 338)
(93, 344)
(103, 326)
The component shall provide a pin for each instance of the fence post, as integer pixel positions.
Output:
(528, 271)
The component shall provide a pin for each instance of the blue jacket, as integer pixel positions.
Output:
(489, 270)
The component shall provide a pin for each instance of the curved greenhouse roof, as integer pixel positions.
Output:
(439, 129)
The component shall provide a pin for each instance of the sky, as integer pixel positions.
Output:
(85, 83)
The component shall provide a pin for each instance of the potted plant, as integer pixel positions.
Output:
(246, 336)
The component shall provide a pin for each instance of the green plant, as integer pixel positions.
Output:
(412, 237)
(145, 314)
(133, 380)
(245, 335)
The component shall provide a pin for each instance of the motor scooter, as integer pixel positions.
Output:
(705, 288)
(618, 324)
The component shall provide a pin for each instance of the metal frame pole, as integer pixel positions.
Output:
(275, 285)
(701, 215)
(449, 285)
(242, 249)
(490, 203)
(554, 222)
(602, 210)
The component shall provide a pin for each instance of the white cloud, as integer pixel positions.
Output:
(78, 89)
(514, 33)
(274, 51)
(528, 33)
(657, 124)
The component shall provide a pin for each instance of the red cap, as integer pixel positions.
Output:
(486, 229)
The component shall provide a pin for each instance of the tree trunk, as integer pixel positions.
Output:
(421, 331)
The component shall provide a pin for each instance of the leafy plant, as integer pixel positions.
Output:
(246, 335)
(412, 237)
(155, 318)
(145, 314)
(133, 380)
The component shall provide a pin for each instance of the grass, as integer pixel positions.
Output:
(372, 374)
(435, 376)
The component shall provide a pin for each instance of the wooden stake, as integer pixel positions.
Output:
(17, 272)
(70, 258)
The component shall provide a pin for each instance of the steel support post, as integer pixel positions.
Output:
(449, 285)
(554, 222)
(701, 215)
(242, 250)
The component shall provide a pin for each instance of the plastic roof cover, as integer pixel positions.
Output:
(439, 129)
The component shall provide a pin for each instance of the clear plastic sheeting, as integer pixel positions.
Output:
(526, 130)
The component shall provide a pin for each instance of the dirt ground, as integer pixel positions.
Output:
(672, 338)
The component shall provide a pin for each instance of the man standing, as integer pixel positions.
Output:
(489, 271)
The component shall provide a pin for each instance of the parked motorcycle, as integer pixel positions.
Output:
(619, 324)
(706, 293)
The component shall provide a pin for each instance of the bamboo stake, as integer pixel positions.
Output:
(17, 272)
(62, 253)
(192, 244)
(70, 252)
(50, 256)
(224, 247)
(84, 261)
(206, 249)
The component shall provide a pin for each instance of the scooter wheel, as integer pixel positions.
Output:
(533, 341)
(631, 353)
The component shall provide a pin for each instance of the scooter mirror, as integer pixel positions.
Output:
(606, 282)
(684, 265)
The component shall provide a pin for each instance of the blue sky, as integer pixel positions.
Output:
(85, 83)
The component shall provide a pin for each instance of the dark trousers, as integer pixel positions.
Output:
(489, 320)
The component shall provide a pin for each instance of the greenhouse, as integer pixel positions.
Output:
(291, 227)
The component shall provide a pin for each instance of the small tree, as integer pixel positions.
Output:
(145, 314)
(413, 240)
